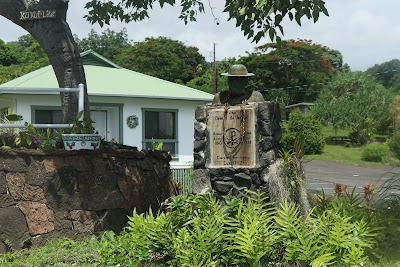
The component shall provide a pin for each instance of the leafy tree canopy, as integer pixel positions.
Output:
(395, 83)
(205, 82)
(294, 71)
(20, 57)
(256, 18)
(29, 53)
(108, 44)
(164, 58)
(7, 57)
(385, 72)
(355, 100)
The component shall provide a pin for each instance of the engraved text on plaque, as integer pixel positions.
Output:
(232, 137)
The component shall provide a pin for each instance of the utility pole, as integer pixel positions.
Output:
(215, 74)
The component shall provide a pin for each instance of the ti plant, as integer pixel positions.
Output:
(82, 125)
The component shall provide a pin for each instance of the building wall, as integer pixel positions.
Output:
(129, 106)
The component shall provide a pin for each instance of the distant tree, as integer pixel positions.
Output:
(30, 55)
(394, 84)
(164, 58)
(205, 82)
(385, 72)
(7, 57)
(293, 72)
(108, 44)
(356, 101)
(8, 73)
(20, 57)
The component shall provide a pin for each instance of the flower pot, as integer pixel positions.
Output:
(81, 141)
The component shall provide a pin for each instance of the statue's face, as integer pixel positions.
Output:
(237, 85)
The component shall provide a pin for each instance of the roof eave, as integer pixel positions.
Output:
(113, 95)
(155, 97)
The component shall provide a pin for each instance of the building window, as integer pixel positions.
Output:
(161, 125)
(49, 116)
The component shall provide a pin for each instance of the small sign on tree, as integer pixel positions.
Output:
(38, 14)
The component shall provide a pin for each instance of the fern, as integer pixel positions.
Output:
(253, 240)
(200, 231)
(323, 260)
(288, 221)
(251, 229)
(201, 242)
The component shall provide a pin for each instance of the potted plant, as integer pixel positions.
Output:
(82, 135)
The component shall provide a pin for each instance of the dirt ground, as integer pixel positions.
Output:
(323, 174)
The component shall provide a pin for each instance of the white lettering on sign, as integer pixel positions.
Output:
(38, 14)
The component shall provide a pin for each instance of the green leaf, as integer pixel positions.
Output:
(281, 29)
(290, 16)
(299, 15)
(278, 19)
(272, 33)
(315, 13)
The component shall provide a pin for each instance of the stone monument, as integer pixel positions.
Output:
(236, 138)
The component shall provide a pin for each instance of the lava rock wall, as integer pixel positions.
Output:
(259, 146)
(50, 194)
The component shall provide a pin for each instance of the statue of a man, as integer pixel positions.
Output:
(238, 77)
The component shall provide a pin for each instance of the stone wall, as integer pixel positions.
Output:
(49, 194)
(264, 136)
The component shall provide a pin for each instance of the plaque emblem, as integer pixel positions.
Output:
(232, 138)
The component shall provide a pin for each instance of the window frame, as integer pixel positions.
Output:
(173, 141)
(92, 107)
(49, 108)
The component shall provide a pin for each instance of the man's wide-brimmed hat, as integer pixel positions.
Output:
(238, 70)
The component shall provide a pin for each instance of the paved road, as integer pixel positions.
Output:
(323, 174)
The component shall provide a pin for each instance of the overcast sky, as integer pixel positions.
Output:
(366, 32)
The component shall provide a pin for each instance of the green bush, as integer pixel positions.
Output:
(394, 144)
(375, 152)
(302, 127)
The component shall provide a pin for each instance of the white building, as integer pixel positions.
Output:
(118, 99)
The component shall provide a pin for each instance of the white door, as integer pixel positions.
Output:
(100, 119)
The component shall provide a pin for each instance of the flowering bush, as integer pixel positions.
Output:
(28, 138)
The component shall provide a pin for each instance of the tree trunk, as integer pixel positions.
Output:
(55, 37)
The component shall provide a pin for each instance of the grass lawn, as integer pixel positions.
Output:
(351, 155)
(346, 154)
(62, 252)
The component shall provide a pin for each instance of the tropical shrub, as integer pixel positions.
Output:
(394, 144)
(304, 128)
(201, 231)
(326, 239)
(375, 152)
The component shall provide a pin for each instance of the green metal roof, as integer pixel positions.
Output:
(90, 57)
(111, 80)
